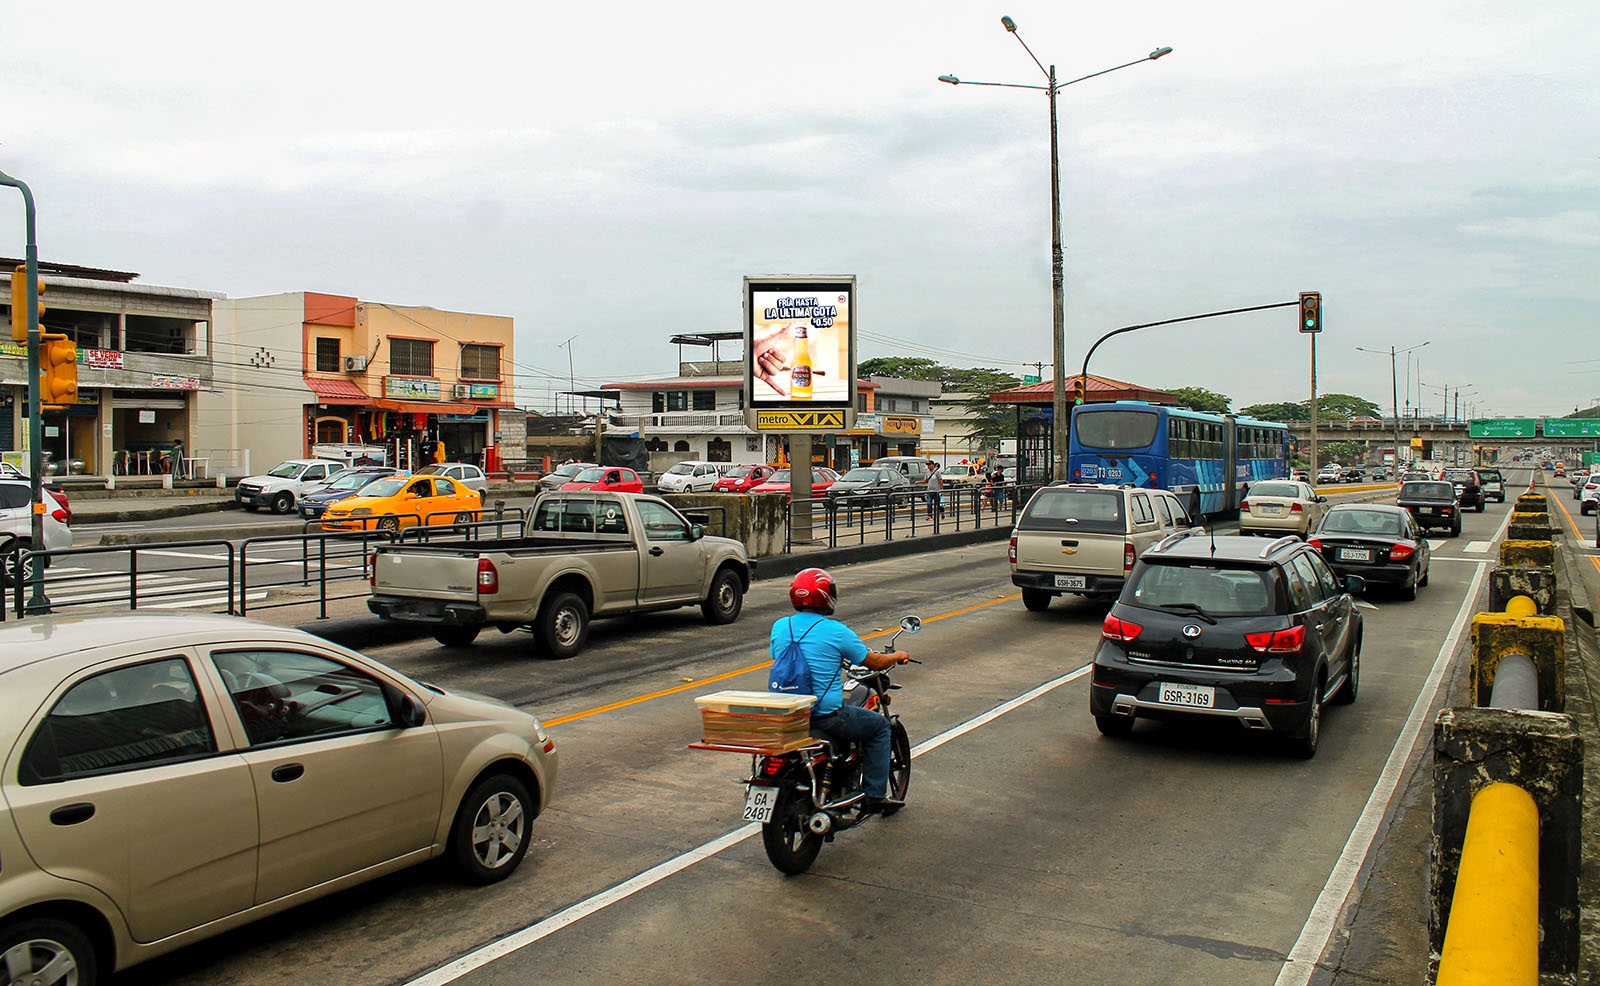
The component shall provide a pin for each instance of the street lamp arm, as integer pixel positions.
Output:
(1009, 85)
(1011, 26)
(1169, 321)
(1137, 61)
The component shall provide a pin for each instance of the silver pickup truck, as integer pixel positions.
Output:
(583, 555)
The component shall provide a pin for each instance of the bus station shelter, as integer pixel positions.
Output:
(1035, 409)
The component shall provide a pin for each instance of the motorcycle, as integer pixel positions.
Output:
(806, 796)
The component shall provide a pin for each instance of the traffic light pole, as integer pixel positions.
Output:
(37, 602)
(1084, 372)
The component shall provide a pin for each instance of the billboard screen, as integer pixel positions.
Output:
(800, 351)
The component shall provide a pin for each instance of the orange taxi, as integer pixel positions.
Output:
(393, 502)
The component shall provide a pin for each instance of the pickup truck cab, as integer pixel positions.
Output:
(283, 484)
(584, 554)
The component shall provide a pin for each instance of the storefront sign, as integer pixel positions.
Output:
(893, 425)
(867, 423)
(831, 420)
(485, 391)
(147, 417)
(408, 389)
(167, 381)
(102, 359)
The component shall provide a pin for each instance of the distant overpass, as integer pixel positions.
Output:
(1435, 431)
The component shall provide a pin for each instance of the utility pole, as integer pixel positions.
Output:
(571, 378)
(1313, 470)
(37, 603)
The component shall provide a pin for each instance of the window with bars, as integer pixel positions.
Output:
(705, 400)
(677, 400)
(480, 362)
(410, 357)
(328, 355)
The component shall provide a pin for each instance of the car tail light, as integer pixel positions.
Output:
(1128, 557)
(1295, 508)
(1400, 552)
(372, 569)
(488, 578)
(59, 515)
(1444, 510)
(1119, 630)
(1013, 552)
(1315, 543)
(1278, 641)
(1244, 505)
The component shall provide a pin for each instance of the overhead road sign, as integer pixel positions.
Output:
(1572, 427)
(1503, 427)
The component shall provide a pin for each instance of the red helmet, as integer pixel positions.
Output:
(814, 590)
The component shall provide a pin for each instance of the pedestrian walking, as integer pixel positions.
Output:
(935, 491)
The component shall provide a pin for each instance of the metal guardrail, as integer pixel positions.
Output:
(94, 596)
(853, 518)
(342, 540)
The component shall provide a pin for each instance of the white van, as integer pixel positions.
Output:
(1083, 538)
(690, 477)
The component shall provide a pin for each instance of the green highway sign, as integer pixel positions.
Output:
(1029, 378)
(1572, 427)
(1503, 427)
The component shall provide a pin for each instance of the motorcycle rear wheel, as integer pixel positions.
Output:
(899, 765)
(790, 845)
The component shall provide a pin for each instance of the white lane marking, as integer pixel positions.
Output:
(480, 957)
(1478, 547)
(1434, 544)
(185, 603)
(1326, 913)
(1505, 525)
(1365, 605)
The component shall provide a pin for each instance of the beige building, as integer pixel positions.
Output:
(313, 368)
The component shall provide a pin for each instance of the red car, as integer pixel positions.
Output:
(610, 479)
(821, 478)
(742, 479)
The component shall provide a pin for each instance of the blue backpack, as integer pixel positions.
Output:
(791, 675)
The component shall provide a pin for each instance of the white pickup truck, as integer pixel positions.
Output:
(284, 483)
(584, 554)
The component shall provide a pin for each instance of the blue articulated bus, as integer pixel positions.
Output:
(1172, 448)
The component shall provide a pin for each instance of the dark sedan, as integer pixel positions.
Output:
(314, 505)
(1431, 504)
(1380, 543)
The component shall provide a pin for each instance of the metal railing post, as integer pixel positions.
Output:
(244, 577)
(133, 577)
(230, 578)
(322, 578)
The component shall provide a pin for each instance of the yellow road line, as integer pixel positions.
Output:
(1576, 532)
(560, 720)
(1355, 489)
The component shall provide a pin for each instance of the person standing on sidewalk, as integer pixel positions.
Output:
(935, 491)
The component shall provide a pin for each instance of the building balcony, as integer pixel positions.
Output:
(104, 368)
(685, 423)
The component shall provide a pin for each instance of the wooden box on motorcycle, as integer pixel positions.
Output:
(754, 722)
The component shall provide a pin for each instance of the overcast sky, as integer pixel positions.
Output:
(611, 171)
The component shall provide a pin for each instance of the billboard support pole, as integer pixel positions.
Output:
(800, 505)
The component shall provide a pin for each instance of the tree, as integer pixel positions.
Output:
(1284, 412)
(1335, 451)
(1201, 399)
(907, 367)
(1344, 406)
(988, 422)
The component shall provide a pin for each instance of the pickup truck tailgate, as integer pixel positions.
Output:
(429, 574)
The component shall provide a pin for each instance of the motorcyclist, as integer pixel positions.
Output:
(829, 646)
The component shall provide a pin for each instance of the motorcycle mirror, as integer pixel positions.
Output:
(911, 623)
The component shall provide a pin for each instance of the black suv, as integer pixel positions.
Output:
(1261, 634)
(1469, 489)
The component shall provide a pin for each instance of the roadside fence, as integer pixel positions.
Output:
(857, 518)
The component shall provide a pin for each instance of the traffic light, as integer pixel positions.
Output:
(19, 304)
(1077, 391)
(58, 369)
(1310, 311)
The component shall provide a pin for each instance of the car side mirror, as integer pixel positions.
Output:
(1354, 584)
(696, 532)
(1322, 499)
(412, 714)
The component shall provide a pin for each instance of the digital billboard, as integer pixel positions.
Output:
(800, 352)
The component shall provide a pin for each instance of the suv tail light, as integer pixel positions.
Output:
(372, 569)
(1295, 508)
(488, 578)
(1244, 505)
(1119, 630)
(1012, 554)
(1400, 552)
(1128, 558)
(1278, 641)
(1315, 543)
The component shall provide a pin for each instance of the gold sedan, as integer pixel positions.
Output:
(1281, 506)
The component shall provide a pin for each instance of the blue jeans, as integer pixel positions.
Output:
(855, 724)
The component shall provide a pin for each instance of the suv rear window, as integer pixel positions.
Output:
(1218, 591)
(1429, 491)
(1490, 476)
(1083, 511)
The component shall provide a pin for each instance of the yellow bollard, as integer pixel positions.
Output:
(1492, 938)
(1521, 606)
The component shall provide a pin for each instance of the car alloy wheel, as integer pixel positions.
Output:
(490, 836)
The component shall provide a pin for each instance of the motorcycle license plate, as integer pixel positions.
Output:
(1070, 582)
(1193, 696)
(759, 803)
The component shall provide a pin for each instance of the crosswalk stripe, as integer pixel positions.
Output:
(1434, 544)
(1478, 547)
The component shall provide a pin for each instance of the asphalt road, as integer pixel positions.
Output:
(1033, 849)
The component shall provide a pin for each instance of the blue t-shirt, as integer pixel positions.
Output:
(829, 645)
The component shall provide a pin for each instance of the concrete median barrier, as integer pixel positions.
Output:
(1493, 935)
(1528, 526)
(1533, 503)
(1542, 639)
(1540, 552)
(1542, 754)
(1537, 582)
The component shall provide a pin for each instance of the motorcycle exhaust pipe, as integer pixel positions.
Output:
(820, 823)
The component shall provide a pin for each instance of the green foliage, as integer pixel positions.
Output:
(1278, 412)
(990, 422)
(1345, 452)
(1201, 399)
(1333, 407)
(908, 367)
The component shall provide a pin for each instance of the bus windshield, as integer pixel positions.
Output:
(1115, 429)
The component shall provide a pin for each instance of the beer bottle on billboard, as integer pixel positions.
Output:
(800, 375)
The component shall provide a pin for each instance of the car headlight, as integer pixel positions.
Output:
(359, 511)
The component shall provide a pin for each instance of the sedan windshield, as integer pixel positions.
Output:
(1359, 521)
(351, 481)
(1215, 591)
(589, 476)
(570, 469)
(741, 472)
(781, 476)
(387, 486)
(862, 475)
(1289, 490)
(681, 469)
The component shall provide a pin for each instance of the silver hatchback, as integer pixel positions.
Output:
(170, 778)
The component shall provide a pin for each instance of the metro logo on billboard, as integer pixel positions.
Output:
(807, 420)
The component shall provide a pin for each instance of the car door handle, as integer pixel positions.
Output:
(283, 773)
(72, 814)
(656, 552)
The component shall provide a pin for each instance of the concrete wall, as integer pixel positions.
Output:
(755, 520)
(261, 408)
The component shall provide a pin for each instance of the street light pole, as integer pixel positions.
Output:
(1059, 423)
(1394, 389)
(37, 602)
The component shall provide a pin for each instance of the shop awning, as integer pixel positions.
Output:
(338, 392)
(424, 407)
